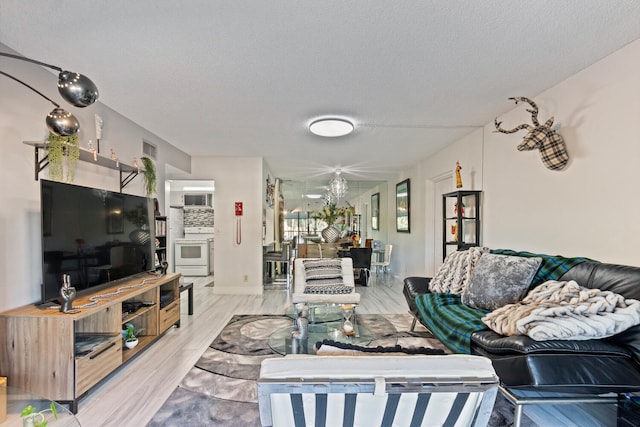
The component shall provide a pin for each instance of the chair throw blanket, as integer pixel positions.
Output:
(566, 311)
(450, 320)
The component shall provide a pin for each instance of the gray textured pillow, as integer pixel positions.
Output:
(499, 280)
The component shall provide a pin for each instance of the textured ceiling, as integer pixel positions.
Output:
(245, 78)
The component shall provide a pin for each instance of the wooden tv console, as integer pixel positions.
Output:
(60, 356)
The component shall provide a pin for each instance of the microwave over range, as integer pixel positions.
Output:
(204, 200)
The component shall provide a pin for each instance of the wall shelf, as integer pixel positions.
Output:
(127, 172)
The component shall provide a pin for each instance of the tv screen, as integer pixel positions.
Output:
(95, 236)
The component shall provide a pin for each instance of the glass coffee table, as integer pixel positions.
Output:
(281, 341)
(319, 312)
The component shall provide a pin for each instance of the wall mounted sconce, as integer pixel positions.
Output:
(76, 89)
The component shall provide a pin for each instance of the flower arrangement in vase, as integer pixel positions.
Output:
(330, 213)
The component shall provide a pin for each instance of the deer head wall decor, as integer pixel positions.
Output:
(553, 150)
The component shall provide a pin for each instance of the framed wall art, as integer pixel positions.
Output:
(375, 211)
(403, 206)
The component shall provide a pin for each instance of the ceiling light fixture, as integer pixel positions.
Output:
(331, 127)
(328, 198)
(76, 89)
(338, 185)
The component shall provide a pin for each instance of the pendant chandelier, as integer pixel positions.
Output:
(338, 185)
(328, 198)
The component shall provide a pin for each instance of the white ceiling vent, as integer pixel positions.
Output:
(149, 150)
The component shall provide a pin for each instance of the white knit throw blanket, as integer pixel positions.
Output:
(565, 311)
(453, 275)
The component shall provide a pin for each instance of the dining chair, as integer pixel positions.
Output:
(282, 258)
(361, 264)
(387, 260)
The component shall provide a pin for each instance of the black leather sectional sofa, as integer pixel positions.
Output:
(589, 367)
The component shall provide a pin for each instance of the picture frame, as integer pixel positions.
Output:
(375, 211)
(403, 206)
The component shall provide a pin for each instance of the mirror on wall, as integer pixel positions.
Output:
(302, 197)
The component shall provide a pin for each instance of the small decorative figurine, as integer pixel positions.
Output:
(114, 157)
(347, 326)
(458, 176)
(93, 150)
(68, 294)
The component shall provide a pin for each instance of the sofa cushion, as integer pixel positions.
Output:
(563, 372)
(495, 343)
(498, 280)
(454, 273)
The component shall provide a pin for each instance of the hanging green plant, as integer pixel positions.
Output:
(62, 150)
(149, 176)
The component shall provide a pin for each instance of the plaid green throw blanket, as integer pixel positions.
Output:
(452, 322)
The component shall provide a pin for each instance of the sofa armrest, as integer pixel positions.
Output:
(417, 285)
(414, 286)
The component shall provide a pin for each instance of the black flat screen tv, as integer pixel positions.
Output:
(97, 237)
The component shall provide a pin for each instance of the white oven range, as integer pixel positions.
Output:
(194, 253)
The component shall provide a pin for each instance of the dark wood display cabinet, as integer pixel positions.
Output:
(161, 239)
(460, 221)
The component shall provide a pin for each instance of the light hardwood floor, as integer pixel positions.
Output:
(133, 394)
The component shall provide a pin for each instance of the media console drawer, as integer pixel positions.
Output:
(169, 315)
(96, 365)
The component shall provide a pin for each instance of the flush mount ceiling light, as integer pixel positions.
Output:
(331, 127)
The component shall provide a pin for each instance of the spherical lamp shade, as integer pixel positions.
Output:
(77, 89)
(338, 186)
(62, 122)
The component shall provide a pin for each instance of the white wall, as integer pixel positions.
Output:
(22, 118)
(588, 209)
(237, 180)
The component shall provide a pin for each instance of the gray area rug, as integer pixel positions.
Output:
(220, 389)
